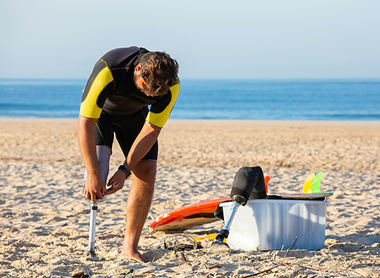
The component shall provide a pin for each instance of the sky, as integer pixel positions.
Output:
(216, 39)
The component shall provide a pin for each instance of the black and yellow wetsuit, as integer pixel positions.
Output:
(121, 108)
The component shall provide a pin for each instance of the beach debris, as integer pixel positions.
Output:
(80, 275)
(177, 242)
(214, 266)
(261, 272)
(182, 259)
(291, 247)
(126, 273)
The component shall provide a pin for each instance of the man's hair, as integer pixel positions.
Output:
(159, 71)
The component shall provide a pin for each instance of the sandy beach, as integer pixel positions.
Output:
(44, 215)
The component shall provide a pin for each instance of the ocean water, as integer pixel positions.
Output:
(343, 100)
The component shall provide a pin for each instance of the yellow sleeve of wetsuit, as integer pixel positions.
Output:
(159, 119)
(99, 79)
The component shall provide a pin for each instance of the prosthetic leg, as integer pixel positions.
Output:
(103, 153)
(248, 184)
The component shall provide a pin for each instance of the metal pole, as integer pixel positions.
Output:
(91, 240)
(225, 231)
(233, 211)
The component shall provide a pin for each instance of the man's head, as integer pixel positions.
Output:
(156, 73)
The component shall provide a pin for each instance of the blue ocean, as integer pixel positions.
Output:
(335, 100)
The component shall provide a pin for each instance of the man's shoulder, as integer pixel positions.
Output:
(125, 50)
(122, 57)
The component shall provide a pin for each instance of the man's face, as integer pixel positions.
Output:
(139, 81)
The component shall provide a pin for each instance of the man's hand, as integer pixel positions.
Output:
(116, 182)
(95, 188)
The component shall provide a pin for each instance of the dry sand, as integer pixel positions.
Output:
(44, 216)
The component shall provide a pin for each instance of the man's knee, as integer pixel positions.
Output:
(150, 169)
(146, 170)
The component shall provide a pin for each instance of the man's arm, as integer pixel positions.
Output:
(143, 143)
(141, 146)
(94, 186)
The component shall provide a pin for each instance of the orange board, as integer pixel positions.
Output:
(187, 216)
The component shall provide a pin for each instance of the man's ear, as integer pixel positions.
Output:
(138, 67)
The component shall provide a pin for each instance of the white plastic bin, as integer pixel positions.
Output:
(273, 224)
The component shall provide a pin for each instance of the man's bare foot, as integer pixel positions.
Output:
(134, 255)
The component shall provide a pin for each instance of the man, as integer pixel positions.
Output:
(115, 101)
